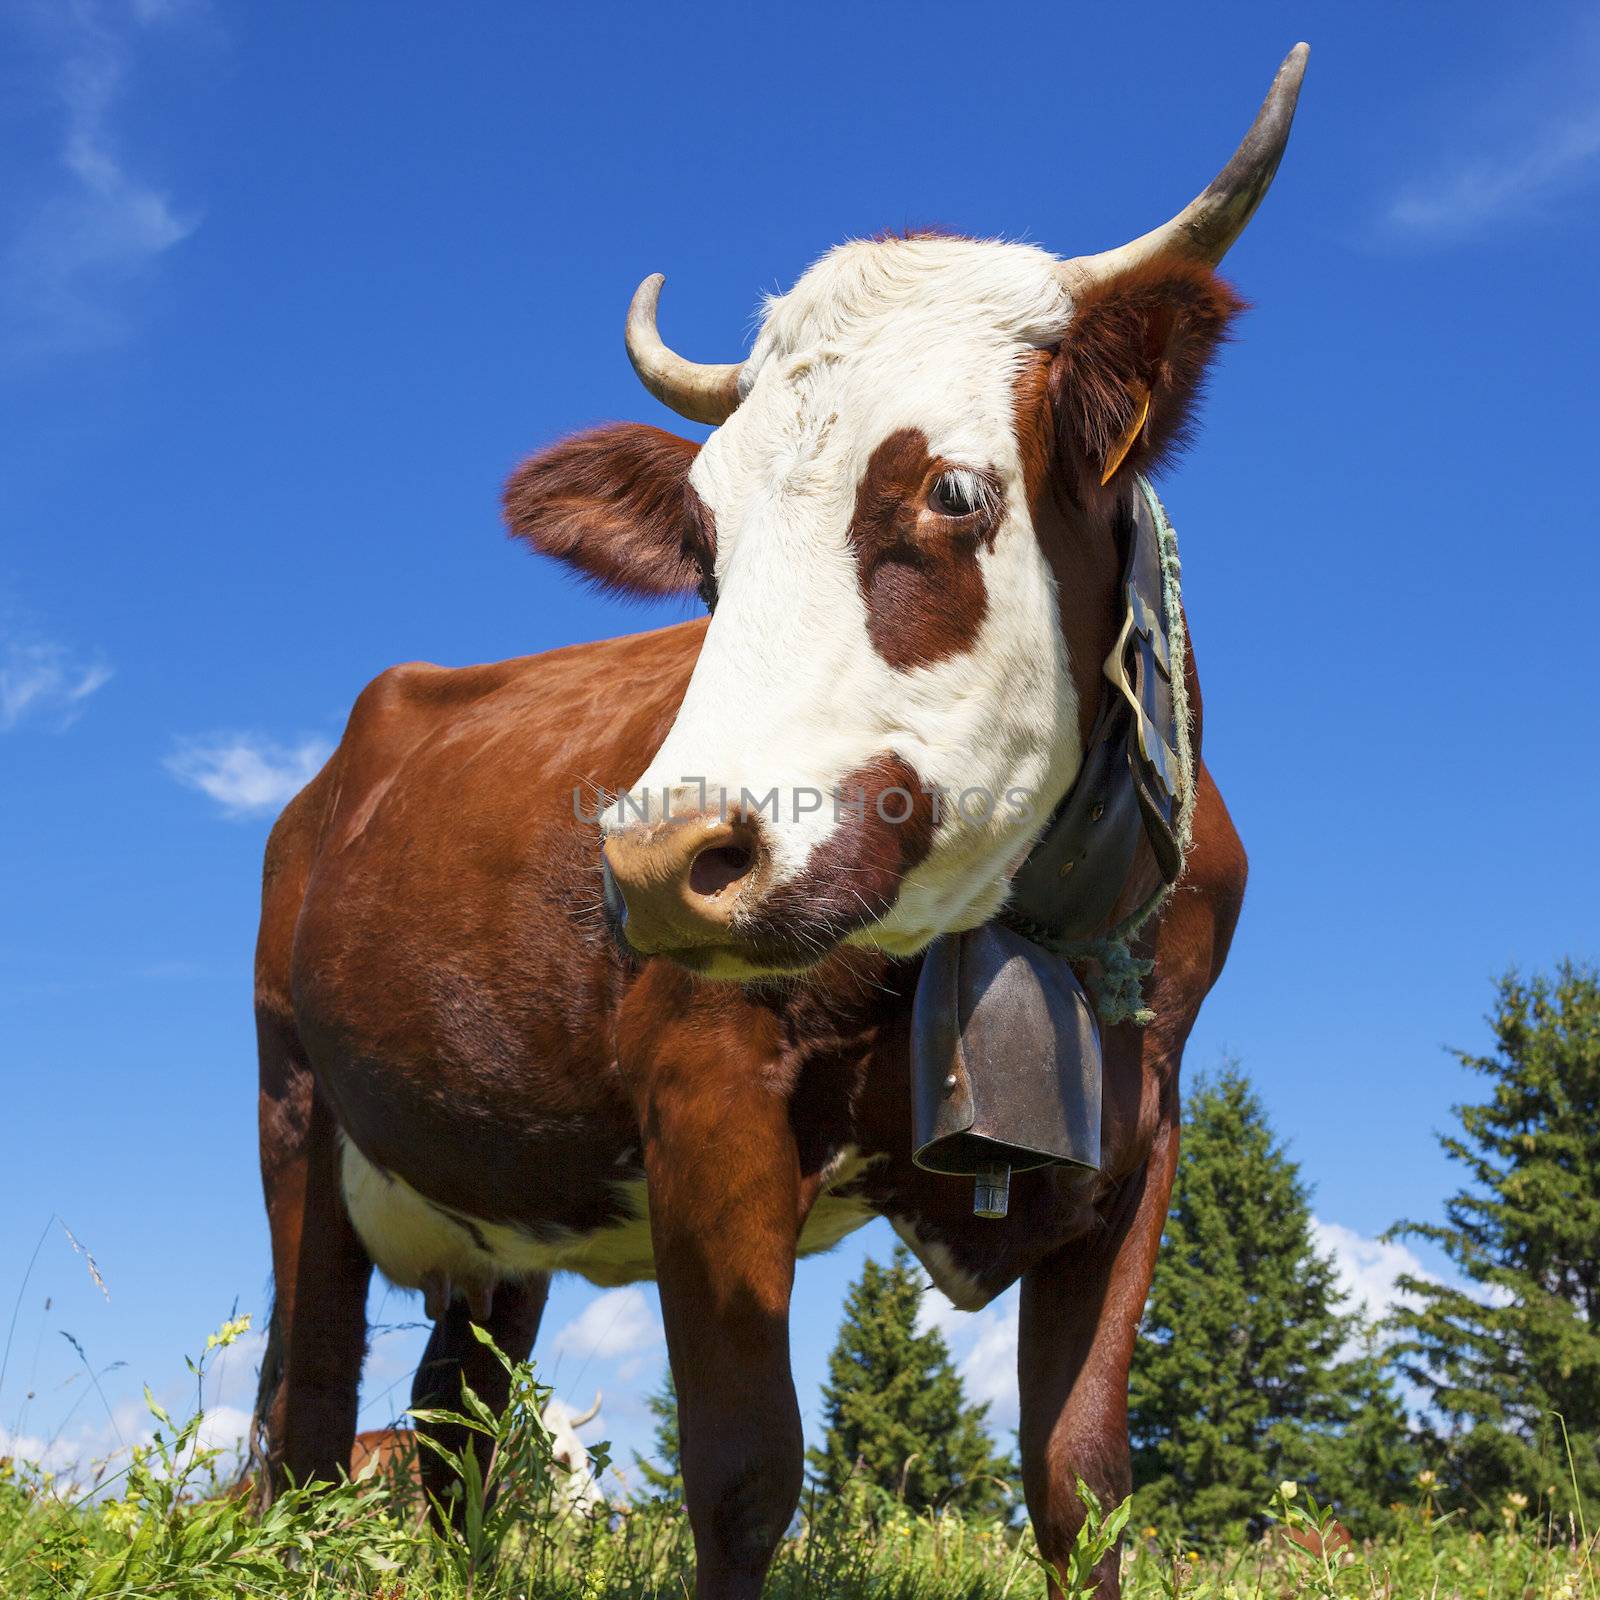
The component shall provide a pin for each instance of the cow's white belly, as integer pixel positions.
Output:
(410, 1237)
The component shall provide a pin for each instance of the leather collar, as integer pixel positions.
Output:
(1129, 786)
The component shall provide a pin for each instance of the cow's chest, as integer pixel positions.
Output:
(412, 1238)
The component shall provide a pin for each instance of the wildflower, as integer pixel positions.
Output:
(1427, 1478)
(1288, 1488)
(1149, 1531)
(228, 1332)
(1517, 1502)
(122, 1516)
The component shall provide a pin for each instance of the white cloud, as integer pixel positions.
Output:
(620, 1322)
(1564, 155)
(46, 682)
(247, 775)
(983, 1345)
(54, 1455)
(92, 1454)
(1367, 1267)
(223, 1428)
(98, 227)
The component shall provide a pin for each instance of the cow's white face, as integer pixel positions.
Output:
(886, 704)
(885, 617)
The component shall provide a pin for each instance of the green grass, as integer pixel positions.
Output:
(162, 1523)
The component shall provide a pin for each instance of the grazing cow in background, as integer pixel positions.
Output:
(392, 1453)
(579, 1492)
(488, 1054)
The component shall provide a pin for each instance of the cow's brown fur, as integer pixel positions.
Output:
(435, 983)
(1154, 328)
(918, 570)
(616, 504)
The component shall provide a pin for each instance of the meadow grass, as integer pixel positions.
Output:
(168, 1521)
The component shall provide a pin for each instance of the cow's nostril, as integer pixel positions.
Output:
(714, 869)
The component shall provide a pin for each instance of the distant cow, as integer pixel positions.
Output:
(393, 1452)
(501, 1038)
(579, 1492)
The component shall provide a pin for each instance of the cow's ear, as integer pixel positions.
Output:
(1133, 364)
(614, 503)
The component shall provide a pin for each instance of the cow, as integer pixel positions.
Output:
(578, 1493)
(391, 1453)
(511, 1026)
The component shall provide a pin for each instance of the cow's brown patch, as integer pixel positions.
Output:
(1076, 540)
(918, 568)
(1034, 423)
(885, 829)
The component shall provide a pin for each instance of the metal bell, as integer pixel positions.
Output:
(1005, 1063)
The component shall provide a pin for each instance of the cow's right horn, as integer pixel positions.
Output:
(1206, 227)
(700, 391)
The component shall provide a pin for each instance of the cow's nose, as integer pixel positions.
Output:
(681, 882)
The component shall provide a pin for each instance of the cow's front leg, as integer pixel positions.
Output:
(1079, 1318)
(726, 1203)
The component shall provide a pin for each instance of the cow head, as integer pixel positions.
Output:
(904, 526)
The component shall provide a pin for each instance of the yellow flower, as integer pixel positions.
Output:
(228, 1332)
(1149, 1531)
(1427, 1478)
(1288, 1488)
(1517, 1502)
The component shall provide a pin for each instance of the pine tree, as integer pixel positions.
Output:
(1368, 1461)
(664, 1474)
(897, 1416)
(1519, 1347)
(1239, 1377)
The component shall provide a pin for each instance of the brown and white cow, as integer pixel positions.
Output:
(500, 1038)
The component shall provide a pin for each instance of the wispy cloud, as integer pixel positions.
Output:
(1518, 144)
(1559, 159)
(247, 775)
(621, 1322)
(45, 683)
(1367, 1268)
(98, 228)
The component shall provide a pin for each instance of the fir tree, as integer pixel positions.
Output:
(1502, 1358)
(1239, 1377)
(664, 1474)
(897, 1416)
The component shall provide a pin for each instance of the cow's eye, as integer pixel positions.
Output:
(956, 494)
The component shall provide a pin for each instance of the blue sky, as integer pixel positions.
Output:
(286, 290)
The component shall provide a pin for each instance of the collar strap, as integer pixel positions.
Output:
(1132, 784)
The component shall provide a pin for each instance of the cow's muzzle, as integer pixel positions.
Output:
(676, 887)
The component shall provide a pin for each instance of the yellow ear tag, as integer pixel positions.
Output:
(1120, 450)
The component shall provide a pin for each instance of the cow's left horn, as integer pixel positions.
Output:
(703, 392)
(1206, 228)
(590, 1414)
